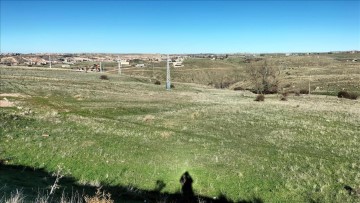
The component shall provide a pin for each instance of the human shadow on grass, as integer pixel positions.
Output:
(32, 182)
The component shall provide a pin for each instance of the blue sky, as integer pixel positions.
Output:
(179, 26)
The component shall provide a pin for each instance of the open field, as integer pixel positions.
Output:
(127, 132)
(326, 73)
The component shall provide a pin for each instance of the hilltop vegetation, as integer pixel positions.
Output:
(126, 132)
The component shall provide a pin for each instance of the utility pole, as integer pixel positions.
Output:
(50, 60)
(119, 65)
(152, 63)
(168, 83)
(100, 67)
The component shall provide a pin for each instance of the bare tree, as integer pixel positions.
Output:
(264, 78)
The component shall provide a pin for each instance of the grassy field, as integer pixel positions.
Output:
(127, 132)
(326, 74)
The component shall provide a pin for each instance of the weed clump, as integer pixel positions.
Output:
(260, 97)
(347, 95)
(104, 77)
(99, 197)
(157, 82)
(172, 86)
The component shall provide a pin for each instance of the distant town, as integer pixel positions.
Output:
(66, 60)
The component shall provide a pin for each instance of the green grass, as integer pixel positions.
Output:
(128, 131)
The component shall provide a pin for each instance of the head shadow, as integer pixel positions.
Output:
(186, 182)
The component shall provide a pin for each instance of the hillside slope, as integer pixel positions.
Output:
(128, 132)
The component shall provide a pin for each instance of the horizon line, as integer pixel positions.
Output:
(144, 53)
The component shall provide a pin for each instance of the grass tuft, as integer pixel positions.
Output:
(17, 197)
(99, 197)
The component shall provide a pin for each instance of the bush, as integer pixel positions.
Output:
(343, 94)
(272, 90)
(347, 95)
(157, 82)
(353, 96)
(104, 77)
(260, 97)
(296, 93)
(172, 86)
(304, 91)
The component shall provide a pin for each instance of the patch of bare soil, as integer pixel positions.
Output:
(12, 95)
(6, 103)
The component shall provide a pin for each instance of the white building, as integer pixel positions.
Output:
(177, 64)
(140, 65)
(124, 62)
